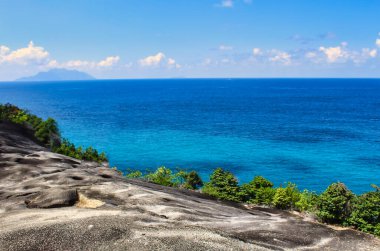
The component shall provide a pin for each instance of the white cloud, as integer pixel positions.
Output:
(281, 57)
(4, 50)
(85, 64)
(159, 60)
(378, 42)
(257, 51)
(24, 56)
(109, 61)
(153, 60)
(333, 54)
(173, 63)
(225, 48)
(369, 53)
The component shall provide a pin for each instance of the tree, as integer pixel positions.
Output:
(365, 214)
(162, 176)
(334, 204)
(193, 180)
(223, 185)
(47, 132)
(258, 191)
(286, 197)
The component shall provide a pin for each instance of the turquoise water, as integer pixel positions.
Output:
(311, 132)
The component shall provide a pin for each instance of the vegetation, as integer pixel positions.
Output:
(336, 205)
(47, 132)
(166, 177)
(223, 185)
(365, 214)
(89, 154)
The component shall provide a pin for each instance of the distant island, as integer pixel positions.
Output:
(58, 75)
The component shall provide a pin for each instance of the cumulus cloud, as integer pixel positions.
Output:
(257, 52)
(378, 42)
(33, 55)
(109, 61)
(333, 54)
(173, 63)
(24, 56)
(153, 60)
(82, 64)
(4, 50)
(158, 60)
(281, 57)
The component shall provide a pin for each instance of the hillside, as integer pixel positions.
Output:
(58, 75)
(52, 202)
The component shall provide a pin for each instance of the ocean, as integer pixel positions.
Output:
(308, 131)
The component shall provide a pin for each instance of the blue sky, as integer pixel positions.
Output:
(191, 38)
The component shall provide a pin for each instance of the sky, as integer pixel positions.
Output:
(116, 39)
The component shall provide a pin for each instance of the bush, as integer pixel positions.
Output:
(365, 214)
(286, 197)
(223, 185)
(67, 148)
(334, 204)
(134, 174)
(307, 201)
(47, 132)
(162, 176)
(258, 191)
(193, 181)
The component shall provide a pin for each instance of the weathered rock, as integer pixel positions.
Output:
(52, 198)
(135, 215)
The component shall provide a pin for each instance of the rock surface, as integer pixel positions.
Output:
(53, 197)
(112, 213)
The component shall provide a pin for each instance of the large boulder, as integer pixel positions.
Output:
(52, 198)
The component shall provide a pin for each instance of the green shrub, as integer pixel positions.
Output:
(193, 181)
(162, 176)
(307, 201)
(334, 204)
(286, 197)
(47, 132)
(365, 214)
(134, 174)
(223, 185)
(67, 148)
(258, 191)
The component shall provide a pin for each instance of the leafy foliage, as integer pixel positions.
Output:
(162, 176)
(365, 214)
(134, 174)
(223, 185)
(89, 154)
(258, 191)
(193, 180)
(166, 177)
(334, 204)
(286, 197)
(307, 201)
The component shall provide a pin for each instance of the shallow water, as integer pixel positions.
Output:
(311, 132)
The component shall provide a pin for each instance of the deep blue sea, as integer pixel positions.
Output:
(308, 131)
